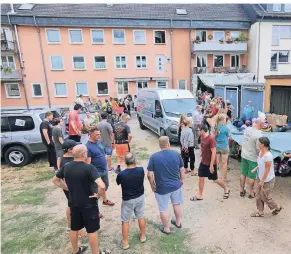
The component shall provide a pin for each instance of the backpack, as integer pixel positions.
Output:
(108, 108)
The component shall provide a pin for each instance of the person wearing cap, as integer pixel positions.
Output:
(132, 183)
(197, 118)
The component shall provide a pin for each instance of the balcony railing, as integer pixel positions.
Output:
(10, 75)
(242, 69)
(200, 70)
(220, 47)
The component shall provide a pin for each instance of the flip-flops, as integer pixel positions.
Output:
(226, 195)
(120, 245)
(257, 215)
(196, 199)
(143, 240)
(82, 249)
(173, 221)
(163, 230)
(276, 211)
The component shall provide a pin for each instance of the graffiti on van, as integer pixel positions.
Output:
(146, 106)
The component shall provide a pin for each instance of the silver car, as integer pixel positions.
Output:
(20, 135)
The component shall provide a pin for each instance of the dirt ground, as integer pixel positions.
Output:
(213, 225)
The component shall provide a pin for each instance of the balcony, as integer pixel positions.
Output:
(10, 75)
(241, 47)
(227, 70)
(7, 43)
(200, 70)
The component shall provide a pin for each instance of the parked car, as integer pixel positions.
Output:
(20, 135)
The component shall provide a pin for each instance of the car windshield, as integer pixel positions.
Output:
(176, 107)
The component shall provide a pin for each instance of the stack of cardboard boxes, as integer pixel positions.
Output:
(276, 120)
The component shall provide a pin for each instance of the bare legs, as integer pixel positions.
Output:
(165, 217)
(125, 231)
(201, 182)
(222, 160)
(251, 184)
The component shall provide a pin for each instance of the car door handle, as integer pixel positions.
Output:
(4, 136)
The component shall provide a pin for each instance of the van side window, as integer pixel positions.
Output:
(158, 107)
(4, 124)
(21, 123)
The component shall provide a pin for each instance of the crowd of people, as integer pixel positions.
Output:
(82, 169)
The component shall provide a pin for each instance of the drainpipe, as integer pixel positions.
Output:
(43, 62)
(259, 43)
(172, 61)
(190, 80)
(19, 54)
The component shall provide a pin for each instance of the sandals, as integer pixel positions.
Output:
(242, 193)
(257, 215)
(276, 211)
(161, 228)
(226, 195)
(82, 249)
(251, 196)
(120, 245)
(143, 240)
(194, 174)
(173, 221)
(196, 199)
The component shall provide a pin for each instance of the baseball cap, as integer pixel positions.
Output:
(69, 144)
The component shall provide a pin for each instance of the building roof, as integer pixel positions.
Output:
(262, 12)
(221, 12)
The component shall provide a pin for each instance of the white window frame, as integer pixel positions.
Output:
(100, 95)
(82, 41)
(74, 66)
(239, 60)
(157, 81)
(116, 62)
(218, 32)
(278, 56)
(201, 55)
(239, 33)
(145, 37)
(121, 94)
(6, 91)
(223, 60)
(154, 41)
(96, 43)
(8, 61)
(60, 96)
(201, 30)
(51, 65)
(47, 39)
(143, 81)
(178, 83)
(141, 68)
(288, 10)
(83, 82)
(32, 90)
(164, 63)
(99, 68)
(277, 5)
(117, 43)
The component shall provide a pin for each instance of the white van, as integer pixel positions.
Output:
(160, 109)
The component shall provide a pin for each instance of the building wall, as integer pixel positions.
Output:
(253, 47)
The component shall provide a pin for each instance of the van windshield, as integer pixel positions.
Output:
(176, 107)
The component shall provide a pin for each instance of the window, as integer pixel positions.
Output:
(82, 88)
(182, 84)
(160, 37)
(279, 57)
(57, 63)
(4, 124)
(102, 88)
(162, 84)
(79, 63)
(274, 57)
(53, 36)
(118, 36)
(160, 63)
(142, 84)
(218, 61)
(97, 36)
(21, 123)
(283, 56)
(201, 34)
(120, 62)
(234, 61)
(287, 8)
(181, 11)
(234, 34)
(36, 90)
(122, 87)
(201, 61)
(276, 7)
(275, 35)
(139, 37)
(99, 62)
(26, 7)
(61, 90)
(12, 90)
(218, 35)
(76, 36)
(141, 62)
(285, 32)
(7, 62)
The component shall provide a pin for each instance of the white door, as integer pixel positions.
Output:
(122, 89)
(160, 63)
(141, 84)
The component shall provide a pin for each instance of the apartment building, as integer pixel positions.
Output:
(101, 50)
(269, 53)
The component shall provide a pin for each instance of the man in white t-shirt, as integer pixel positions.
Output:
(249, 155)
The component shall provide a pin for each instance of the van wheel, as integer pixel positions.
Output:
(141, 124)
(163, 133)
(17, 156)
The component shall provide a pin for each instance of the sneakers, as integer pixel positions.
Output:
(111, 170)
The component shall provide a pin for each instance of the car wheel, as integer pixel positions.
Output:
(17, 156)
(163, 133)
(141, 124)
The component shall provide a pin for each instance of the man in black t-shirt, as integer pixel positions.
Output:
(81, 181)
(46, 132)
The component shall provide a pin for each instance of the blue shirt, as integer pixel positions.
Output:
(131, 181)
(97, 153)
(222, 136)
(166, 166)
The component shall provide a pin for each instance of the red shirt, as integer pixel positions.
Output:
(74, 117)
(207, 144)
(214, 110)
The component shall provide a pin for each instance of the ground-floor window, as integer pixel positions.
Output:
(142, 84)
(182, 84)
(82, 88)
(61, 90)
(102, 88)
(122, 87)
(162, 84)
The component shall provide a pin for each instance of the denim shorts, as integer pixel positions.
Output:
(222, 150)
(104, 178)
(163, 200)
(59, 153)
(133, 206)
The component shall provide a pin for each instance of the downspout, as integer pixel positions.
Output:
(190, 80)
(172, 62)
(19, 54)
(259, 43)
(43, 62)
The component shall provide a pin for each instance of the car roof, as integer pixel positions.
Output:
(25, 111)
